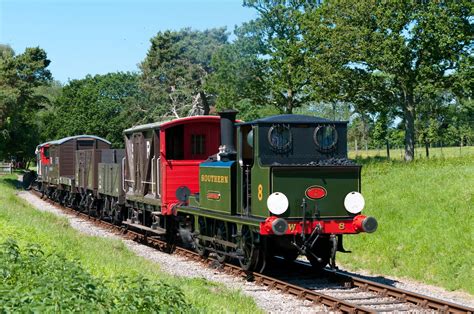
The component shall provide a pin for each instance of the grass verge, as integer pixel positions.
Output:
(425, 213)
(103, 263)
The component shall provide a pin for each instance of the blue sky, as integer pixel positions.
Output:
(97, 37)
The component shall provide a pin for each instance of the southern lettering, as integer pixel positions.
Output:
(214, 178)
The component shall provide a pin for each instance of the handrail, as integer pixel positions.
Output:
(158, 177)
(153, 172)
(123, 174)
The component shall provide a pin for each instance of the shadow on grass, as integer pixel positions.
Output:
(24, 182)
(15, 183)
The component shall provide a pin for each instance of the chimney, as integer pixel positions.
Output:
(227, 148)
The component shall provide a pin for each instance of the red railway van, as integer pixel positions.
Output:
(162, 157)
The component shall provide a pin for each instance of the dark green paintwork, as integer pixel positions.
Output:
(221, 216)
(338, 181)
(217, 178)
(290, 180)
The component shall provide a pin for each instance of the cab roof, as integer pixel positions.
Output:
(169, 123)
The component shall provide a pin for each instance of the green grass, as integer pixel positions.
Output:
(398, 153)
(102, 258)
(426, 226)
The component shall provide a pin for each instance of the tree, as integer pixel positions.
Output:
(176, 67)
(95, 105)
(238, 80)
(281, 48)
(463, 106)
(20, 76)
(380, 133)
(415, 47)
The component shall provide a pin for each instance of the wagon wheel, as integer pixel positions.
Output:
(171, 233)
(116, 214)
(100, 209)
(199, 244)
(248, 249)
(91, 209)
(221, 233)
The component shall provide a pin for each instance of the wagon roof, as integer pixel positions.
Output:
(143, 127)
(66, 139)
(292, 118)
(169, 123)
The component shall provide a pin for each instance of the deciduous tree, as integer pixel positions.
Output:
(20, 76)
(94, 105)
(238, 80)
(278, 29)
(176, 67)
(415, 46)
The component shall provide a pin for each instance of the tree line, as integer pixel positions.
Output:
(400, 71)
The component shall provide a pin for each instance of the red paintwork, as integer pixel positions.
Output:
(358, 220)
(44, 159)
(176, 173)
(315, 192)
(213, 196)
(327, 226)
(188, 120)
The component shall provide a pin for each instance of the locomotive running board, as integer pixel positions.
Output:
(157, 231)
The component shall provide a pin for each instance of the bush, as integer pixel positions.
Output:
(34, 282)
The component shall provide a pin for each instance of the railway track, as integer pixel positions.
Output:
(336, 290)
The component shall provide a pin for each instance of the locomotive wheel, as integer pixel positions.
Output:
(250, 252)
(200, 245)
(321, 249)
(171, 233)
(221, 233)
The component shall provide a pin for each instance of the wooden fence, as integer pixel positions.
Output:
(6, 168)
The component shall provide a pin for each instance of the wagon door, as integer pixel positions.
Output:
(148, 177)
(137, 151)
(128, 168)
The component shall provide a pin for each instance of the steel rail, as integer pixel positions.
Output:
(422, 301)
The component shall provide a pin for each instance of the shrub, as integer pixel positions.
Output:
(34, 282)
